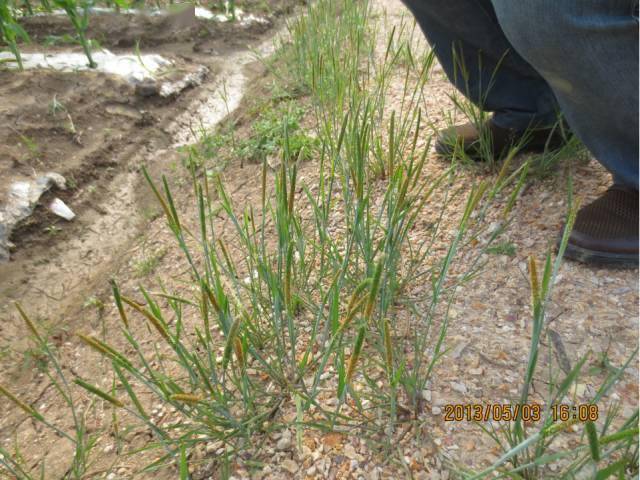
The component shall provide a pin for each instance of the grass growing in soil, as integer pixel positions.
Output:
(610, 450)
(308, 303)
(541, 165)
(11, 31)
(78, 13)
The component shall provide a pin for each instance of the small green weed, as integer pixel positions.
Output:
(52, 230)
(267, 139)
(147, 265)
(30, 144)
(93, 302)
(503, 248)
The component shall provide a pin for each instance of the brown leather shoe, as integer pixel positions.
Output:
(606, 231)
(500, 140)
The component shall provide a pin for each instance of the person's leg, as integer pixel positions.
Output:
(499, 80)
(587, 50)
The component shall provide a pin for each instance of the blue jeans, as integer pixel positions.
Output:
(528, 60)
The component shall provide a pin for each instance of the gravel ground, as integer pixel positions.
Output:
(592, 309)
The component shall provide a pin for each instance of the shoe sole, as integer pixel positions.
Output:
(594, 257)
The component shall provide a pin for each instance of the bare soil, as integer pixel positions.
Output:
(98, 137)
(156, 32)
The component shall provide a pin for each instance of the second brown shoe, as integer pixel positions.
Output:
(606, 230)
(497, 141)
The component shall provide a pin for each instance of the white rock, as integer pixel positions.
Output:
(374, 474)
(285, 441)
(350, 452)
(461, 347)
(459, 387)
(212, 447)
(578, 389)
(439, 401)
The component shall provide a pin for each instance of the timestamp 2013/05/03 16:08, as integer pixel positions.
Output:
(507, 412)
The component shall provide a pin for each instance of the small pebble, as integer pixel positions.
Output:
(285, 441)
(459, 387)
(289, 465)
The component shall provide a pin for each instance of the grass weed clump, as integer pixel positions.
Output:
(307, 299)
(298, 310)
(301, 312)
(482, 152)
